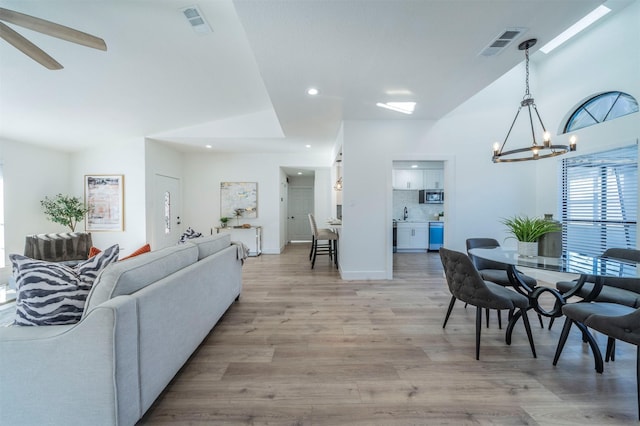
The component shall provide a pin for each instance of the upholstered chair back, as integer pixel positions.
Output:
(466, 284)
(61, 247)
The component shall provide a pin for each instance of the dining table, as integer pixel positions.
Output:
(593, 269)
(588, 268)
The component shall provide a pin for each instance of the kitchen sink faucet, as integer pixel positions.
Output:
(406, 214)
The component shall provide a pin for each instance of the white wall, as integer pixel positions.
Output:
(31, 173)
(603, 59)
(480, 193)
(204, 172)
(128, 159)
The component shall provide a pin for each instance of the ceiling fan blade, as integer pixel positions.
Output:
(28, 48)
(51, 29)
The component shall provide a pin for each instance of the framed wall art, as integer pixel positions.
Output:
(239, 199)
(104, 195)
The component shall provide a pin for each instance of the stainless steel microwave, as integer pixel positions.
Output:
(431, 197)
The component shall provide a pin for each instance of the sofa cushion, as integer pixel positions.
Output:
(211, 244)
(54, 293)
(138, 272)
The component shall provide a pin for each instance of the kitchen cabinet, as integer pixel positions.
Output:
(408, 179)
(434, 179)
(412, 236)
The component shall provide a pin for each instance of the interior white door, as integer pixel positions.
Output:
(300, 205)
(167, 210)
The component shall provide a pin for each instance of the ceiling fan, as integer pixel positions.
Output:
(45, 27)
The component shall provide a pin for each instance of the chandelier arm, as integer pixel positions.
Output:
(544, 129)
(533, 132)
(510, 128)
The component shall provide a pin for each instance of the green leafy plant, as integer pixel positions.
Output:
(64, 210)
(529, 229)
(224, 220)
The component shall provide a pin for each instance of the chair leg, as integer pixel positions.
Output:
(610, 354)
(527, 327)
(499, 319)
(315, 252)
(446, 318)
(478, 329)
(487, 315)
(540, 319)
(563, 339)
(313, 239)
(551, 322)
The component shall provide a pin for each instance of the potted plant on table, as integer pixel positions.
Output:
(64, 210)
(223, 222)
(528, 230)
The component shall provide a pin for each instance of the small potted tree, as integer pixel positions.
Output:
(528, 230)
(223, 222)
(65, 210)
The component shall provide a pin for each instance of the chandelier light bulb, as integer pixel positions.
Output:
(572, 142)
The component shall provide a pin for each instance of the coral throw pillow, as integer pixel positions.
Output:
(144, 249)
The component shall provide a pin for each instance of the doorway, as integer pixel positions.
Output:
(167, 211)
(299, 206)
(416, 217)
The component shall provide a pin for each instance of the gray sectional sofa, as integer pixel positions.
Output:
(143, 318)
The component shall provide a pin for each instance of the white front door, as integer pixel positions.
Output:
(300, 205)
(167, 211)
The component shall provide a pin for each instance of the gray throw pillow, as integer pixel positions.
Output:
(54, 293)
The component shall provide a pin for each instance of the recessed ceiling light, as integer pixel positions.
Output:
(414, 166)
(312, 91)
(299, 173)
(308, 146)
(208, 146)
(592, 17)
(403, 107)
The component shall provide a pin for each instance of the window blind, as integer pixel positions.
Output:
(600, 201)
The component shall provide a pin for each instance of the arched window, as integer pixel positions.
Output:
(603, 107)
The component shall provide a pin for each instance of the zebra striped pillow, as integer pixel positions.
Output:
(53, 293)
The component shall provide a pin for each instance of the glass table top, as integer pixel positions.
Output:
(570, 262)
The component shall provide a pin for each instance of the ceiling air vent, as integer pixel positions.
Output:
(502, 41)
(196, 19)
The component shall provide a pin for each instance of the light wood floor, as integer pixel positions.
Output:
(302, 347)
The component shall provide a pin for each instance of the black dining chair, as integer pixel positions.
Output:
(466, 284)
(495, 272)
(620, 290)
(611, 319)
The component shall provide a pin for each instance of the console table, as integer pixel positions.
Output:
(251, 237)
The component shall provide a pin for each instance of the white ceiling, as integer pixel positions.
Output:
(243, 86)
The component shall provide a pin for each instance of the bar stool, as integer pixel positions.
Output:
(323, 241)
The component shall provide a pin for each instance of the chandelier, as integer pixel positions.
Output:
(535, 151)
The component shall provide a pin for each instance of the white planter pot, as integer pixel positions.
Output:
(527, 249)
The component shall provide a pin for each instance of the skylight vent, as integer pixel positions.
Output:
(196, 20)
(503, 40)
